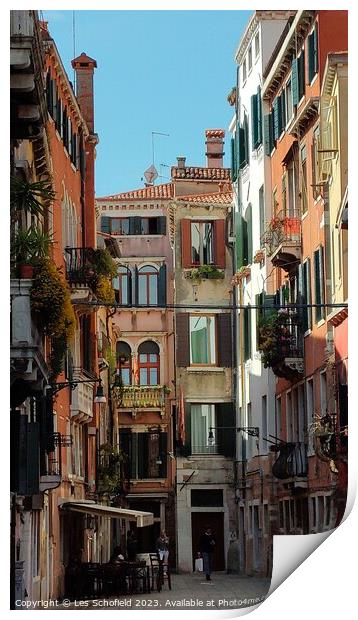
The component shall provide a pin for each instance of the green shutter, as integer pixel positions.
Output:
(245, 248)
(311, 62)
(162, 286)
(307, 288)
(185, 450)
(233, 159)
(294, 82)
(226, 437)
(315, 48)
(259, 116)
(283, 109)
(301, 75)
(254, 122)
(318, 295)
(239, 241)
(267, 134)
(276, 131)
(105, 224)
(247, 333)
(242, 148)
(269, 302)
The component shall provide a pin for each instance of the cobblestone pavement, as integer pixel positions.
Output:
(189, 591)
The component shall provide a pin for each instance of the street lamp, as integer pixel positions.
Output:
(253, 431)
(99, 397)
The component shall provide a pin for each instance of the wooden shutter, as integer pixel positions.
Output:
(233, 159)
(276, 119)
(239, 248)
(294, 82)
(48, 91)
(318, 295)
(247, 333)
(162, 286)
(163, 453)
(315, 48)
(186, 243)
(242, 148)
(267, 134)
(244, 242)
(135, 225)
(254, 122)
(182, 339)
(226, 437)
(105, 224)
(283, 109)
(186, 448)
(130, 288)
(143, 439)
(224, 339)
(219, 243)
(259, 115)
(301, 75)
(33, 458)
(162, 225)
(322, 278)
(311, 61)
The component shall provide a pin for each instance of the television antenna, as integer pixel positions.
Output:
(151, 174)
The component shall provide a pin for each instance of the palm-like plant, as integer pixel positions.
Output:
(34, 198)
(31, 245)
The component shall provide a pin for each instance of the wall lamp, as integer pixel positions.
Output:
(99, 397)
(253, 431)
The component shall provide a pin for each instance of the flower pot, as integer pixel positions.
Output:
(26, 272)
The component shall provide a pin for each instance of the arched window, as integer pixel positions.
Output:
(122, 285)
(124, 362)
(148, 285)
(148, 360)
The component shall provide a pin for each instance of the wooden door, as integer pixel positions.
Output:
(199, 522)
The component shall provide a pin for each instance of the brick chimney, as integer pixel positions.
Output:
(214, 147)
(84, 67)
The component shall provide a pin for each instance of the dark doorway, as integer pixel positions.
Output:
(215, 520)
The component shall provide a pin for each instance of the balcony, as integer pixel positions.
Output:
(291, 463)
(82, 398)
(281, 343)
(27, 342)
(283, 240)
(80, 271)
(136, 397)
(52, 476)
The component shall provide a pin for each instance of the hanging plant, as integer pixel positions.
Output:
(51, 301)
(103, 289)
(34, 198)
(109, 470)
(274, 340)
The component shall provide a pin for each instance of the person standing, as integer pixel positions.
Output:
(207, 547)
(162, 546)
(131, 546)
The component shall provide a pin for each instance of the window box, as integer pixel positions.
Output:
(259, 256)
(204, 272)
(243, 272)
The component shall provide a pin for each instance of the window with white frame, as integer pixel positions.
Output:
(257, 44)
(250, 58)
(203, 419)
(202, 340)
(244, 71)
(288, 100)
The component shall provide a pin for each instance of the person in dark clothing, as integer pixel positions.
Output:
(131, 545)
(207, 547)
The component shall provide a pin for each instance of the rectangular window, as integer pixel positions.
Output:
(147, 455)
(315, 163)
(288, 102)
(307, 314)
(207, 497)
(250, 58)
(203, 419)
(291, 182)
(244, 71)
(257, 44)
(304, 190)
(310, 403)
(202, 340)
(119, 225)
(313, 513)
(202, 243)
(319, 283)
(312, 54)
(247, 333)
(295, 416)
(289, 431)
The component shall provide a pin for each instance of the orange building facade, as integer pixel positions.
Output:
(295, 240)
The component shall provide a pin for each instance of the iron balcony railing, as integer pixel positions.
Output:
(284, 228)
(290, 341)
(140, 396)
(292, 460)
(80, 268)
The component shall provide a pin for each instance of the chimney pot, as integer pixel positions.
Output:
(214, 147)
(181, 161)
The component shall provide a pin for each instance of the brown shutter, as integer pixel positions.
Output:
(220, 245)
(186, 243)
(224, 339)
(182, 338)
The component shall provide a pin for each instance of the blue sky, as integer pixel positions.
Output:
(162, 71)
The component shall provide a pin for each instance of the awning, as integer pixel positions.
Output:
(142, 518)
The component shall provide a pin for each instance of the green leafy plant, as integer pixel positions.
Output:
(103, 263)
(51, 300)
(209, 272)
(34, 198)
(110, 470)
(274, 339)
(31, 245)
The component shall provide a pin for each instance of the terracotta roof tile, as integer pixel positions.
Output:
(218, 198)
(165, 190)
(215, 133)
(211, 174)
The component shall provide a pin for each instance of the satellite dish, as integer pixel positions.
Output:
(151, 174)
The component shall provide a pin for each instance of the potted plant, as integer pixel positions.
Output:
(259, 256)
(30, 246)
(205, 272)
(232, 96)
